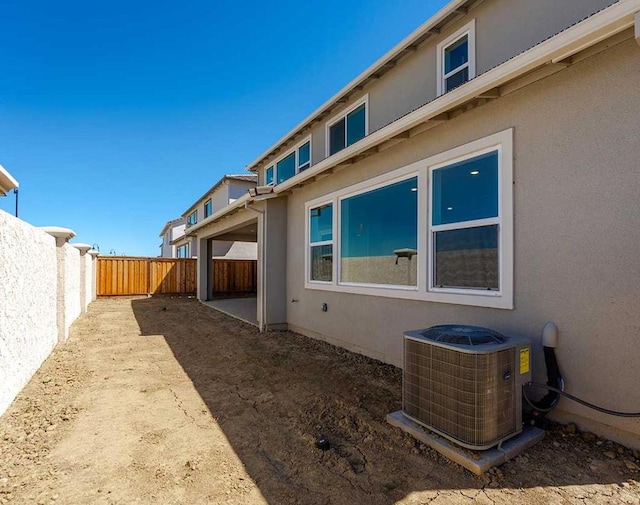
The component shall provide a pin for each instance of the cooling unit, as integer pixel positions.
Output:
(465, 383)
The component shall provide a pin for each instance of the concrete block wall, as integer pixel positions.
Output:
(28, 300)
(41, 280)
(71, 295)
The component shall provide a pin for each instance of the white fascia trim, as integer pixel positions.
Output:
(470, 30)
(430, 23)
(600, 26)
(605, 24)
(221, 213)
(328, 124)
(7, 182)
(294, 149)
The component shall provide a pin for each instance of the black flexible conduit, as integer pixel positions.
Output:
(555, 388)
(578, 400)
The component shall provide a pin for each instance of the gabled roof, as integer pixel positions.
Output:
(232, 177)
(7, 182)
(170, 224)
(429, 29)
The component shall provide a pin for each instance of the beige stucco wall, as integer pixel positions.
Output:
(504, 28)
(28, 290)
(72, 308)
(577, 239)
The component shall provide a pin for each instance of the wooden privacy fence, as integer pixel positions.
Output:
(235, 276)
(126, 275)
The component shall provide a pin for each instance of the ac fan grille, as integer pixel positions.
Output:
(465, 396)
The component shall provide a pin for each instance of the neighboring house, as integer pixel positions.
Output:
(484, 171)
(8, 183)
(224, 192)
(172, 232)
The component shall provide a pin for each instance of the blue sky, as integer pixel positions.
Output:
(115, 116)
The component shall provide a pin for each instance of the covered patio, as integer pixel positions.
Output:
(245, 309)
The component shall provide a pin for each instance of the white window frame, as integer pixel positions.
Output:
(343, 115)
(462, 224)
(308, 208)
(273, 180)
(195, 220)
(297, 161)
(470, 31)
(502, 299)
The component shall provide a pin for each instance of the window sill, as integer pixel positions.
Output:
(490, 299)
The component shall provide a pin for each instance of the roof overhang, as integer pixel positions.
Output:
(429, 29)
(7, 182)
(550, 56)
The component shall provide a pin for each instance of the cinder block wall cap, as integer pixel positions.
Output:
(82, 247)
(59, 232)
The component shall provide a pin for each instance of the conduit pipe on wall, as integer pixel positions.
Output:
(637, 27)
(261, 267)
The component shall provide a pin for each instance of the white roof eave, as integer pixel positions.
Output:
(592, 30)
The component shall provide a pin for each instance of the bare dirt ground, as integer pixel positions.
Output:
(164, 400)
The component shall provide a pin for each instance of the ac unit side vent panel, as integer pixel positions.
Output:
(471, 398)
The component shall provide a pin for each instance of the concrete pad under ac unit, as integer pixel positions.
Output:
(477, 462)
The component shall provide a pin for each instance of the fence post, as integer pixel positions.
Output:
(62, 236)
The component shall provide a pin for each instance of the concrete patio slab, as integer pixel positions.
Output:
(244, 309)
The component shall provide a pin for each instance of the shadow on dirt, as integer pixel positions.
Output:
(275, 394)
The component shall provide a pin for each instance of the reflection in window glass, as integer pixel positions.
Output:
(322, 262)
(286, 168)
(456, 55)
(321, 242)
(337, 137)
(379, 235)
(457, 79)
(356, 125)
(268, 177)
(304, 156)
(467, 258)
(322, 223)
(466, 190)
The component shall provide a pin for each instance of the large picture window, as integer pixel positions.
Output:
(440, 229)
(379, 235)
(321, 243)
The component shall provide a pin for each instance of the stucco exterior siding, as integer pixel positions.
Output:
(576, 236)
(504, 29)
(28, 291)
(72, 307)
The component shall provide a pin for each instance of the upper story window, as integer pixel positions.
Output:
(457, 58)
(348, 127)
(207, 208)
(192, 218)
(294, 162)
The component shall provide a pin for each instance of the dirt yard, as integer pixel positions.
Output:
(164, 400)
